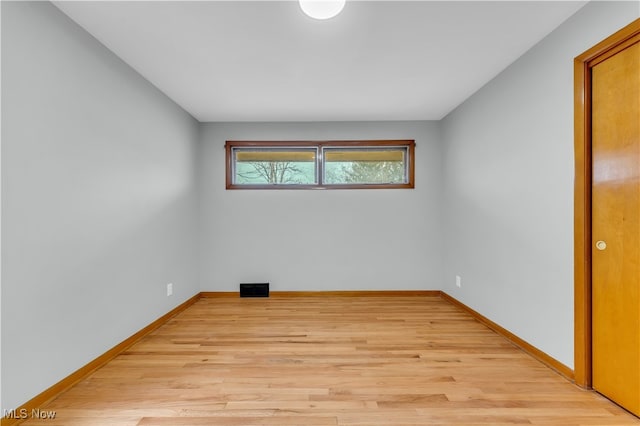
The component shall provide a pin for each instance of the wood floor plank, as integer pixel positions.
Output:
(342, 361)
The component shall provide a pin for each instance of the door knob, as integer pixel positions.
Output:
(601, 245)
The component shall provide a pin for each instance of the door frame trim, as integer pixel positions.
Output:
(582, 192)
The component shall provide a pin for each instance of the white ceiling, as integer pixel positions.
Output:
(267, 61)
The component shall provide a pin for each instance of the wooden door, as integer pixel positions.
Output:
(615, 221)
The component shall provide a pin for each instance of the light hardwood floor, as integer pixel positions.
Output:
(370, 360)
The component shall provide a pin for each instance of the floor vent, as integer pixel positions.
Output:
(254, 290)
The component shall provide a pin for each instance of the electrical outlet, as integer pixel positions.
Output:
(169, 289)
(458, 281)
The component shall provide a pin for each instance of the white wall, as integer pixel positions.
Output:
(313, 240)
(508, 186)
(98, 200)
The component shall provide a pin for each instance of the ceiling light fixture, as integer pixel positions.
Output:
(322, 9)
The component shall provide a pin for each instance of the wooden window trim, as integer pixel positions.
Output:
(408, 143)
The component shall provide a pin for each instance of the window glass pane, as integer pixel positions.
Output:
(275, 166)
(365, 165)
(372, 164)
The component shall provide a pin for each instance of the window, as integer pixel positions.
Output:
(320, 165)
